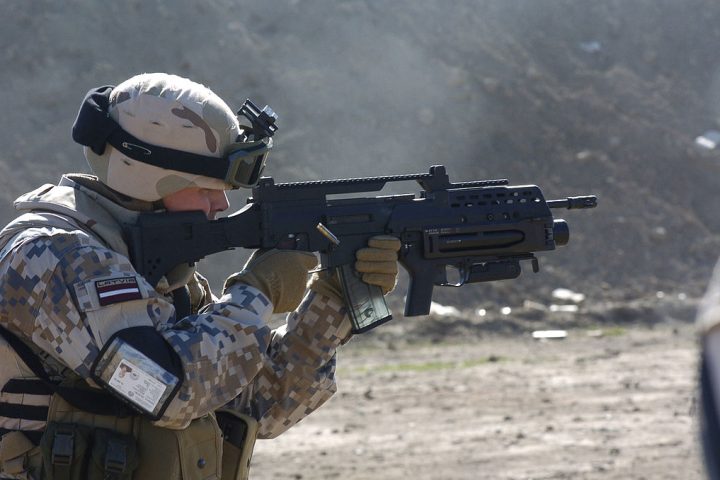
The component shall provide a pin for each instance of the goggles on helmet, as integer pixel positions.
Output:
(245, 165)
(241, 166)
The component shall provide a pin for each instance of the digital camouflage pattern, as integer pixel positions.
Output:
(299, 350)
(50, 263)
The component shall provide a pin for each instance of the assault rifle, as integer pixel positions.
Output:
(482, 229)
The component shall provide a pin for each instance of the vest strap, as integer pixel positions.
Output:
(90, 400)
(27, 412)
(30, 386)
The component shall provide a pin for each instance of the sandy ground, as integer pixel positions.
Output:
(612, 404)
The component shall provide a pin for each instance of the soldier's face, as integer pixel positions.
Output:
(211, 202)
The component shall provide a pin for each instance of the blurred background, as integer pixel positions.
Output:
(577, 97)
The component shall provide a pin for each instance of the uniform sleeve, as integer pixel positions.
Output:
(53, 296)
(56, 296)
(299, 374)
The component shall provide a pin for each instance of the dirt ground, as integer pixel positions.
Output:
(601, 404)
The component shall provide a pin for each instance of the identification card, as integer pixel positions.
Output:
(136, 385)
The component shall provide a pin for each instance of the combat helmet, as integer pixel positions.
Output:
(156, 134)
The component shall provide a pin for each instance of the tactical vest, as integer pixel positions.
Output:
(50, 430)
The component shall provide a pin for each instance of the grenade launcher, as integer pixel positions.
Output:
(481, 229)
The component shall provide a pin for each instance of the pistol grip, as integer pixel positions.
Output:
(366, 303)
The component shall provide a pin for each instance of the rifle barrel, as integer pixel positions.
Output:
(574, 203)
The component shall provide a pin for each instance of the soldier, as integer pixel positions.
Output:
(107, 376)
(709, 327)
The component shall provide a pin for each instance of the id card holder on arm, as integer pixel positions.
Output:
(137, 365)
(366, 303)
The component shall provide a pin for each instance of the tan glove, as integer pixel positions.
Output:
(279, 274)
(377, 263)
(327, 282)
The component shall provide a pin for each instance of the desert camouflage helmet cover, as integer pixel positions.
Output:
(168, 111)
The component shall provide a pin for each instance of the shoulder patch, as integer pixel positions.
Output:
(114, 290)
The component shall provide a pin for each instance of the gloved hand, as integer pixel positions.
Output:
(279, 274)
(377, 263)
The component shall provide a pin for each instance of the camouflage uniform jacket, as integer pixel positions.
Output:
(69, 239)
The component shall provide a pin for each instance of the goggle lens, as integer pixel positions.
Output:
(246, 166)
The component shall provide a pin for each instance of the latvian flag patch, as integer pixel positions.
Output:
(116, 290)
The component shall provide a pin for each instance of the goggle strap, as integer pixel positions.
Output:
(167, 158)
